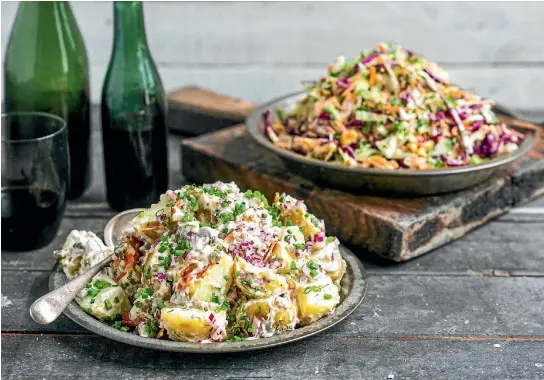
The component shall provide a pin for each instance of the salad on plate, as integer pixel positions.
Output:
(211, 264)
(390, 108)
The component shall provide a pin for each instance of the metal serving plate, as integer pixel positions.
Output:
(353, 284)
(403, 182)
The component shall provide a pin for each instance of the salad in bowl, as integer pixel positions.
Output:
(390, 108)
(212, 264)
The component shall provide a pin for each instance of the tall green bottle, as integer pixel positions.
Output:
(133, 116)
(46, 69)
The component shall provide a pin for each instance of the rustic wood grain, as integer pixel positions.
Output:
(19, 290)
(397, 229)
(321, 357)
(395, 306)
(195, 111)
(208, 102)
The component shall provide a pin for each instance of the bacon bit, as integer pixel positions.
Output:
(229, 238)
(159, 334)
(203, 271)
(184, 275)
(129, 322)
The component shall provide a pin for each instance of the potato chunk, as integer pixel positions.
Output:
(194, 325)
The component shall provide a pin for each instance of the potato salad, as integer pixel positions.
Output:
(212, 264)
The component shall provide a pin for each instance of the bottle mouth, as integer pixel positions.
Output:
(29, 127)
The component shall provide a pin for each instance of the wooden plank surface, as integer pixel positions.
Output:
(320, 357)
(397, 229)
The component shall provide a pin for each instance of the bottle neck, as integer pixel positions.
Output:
(129, 27)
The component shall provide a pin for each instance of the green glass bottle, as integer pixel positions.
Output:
(133, 116)
(46, 69)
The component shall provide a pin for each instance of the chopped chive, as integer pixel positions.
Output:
(101, 284)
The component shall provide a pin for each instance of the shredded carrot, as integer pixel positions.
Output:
(402, 89)
(335, 102)
(355, 77)
(372, 77)
(340, 127)
(516, 133)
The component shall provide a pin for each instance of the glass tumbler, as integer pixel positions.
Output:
(35, 177)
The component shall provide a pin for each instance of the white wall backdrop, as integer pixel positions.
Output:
(261, 50)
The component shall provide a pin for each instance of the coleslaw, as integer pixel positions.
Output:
(390, 108)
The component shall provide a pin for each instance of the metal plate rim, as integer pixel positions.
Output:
(252, 126)
(352, 300)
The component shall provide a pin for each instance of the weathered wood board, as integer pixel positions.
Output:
(194, 111)
(318, 358)
(397, 229)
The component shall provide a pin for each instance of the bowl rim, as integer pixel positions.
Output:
(252, 125)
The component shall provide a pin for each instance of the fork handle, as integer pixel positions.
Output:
(48, 307)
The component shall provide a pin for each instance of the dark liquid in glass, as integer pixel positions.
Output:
(136, 161)
(30, 217)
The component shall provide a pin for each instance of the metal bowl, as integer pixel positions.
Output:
(383, 181)
(353, 291)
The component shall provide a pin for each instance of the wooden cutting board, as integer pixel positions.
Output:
(193, 111)
(396, 229)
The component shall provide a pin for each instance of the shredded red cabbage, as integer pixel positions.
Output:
(343, 83)
(434, 77)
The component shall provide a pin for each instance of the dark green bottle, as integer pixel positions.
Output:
(133, 116)
(46, 69)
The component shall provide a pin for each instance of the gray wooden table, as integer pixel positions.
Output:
(473, 309)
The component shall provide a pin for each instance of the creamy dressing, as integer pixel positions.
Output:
(81, 251)
(203, 252)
